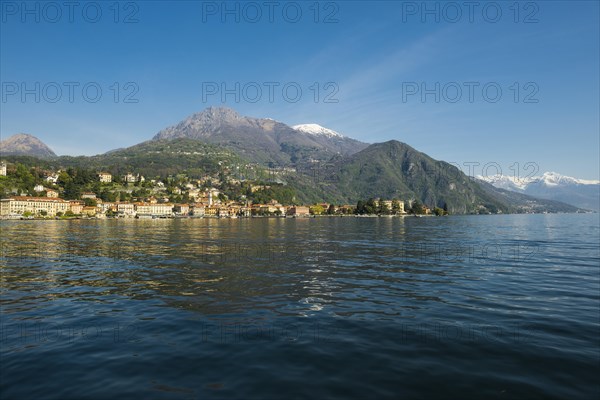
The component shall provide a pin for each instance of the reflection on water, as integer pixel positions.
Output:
(515, 295)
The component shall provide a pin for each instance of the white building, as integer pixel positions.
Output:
(105, 177)
(126, 209)
(130, 178)
(2, 169)
(36, 205)
(52, 178)
(103, 207)
(198, 210)
(157, 209)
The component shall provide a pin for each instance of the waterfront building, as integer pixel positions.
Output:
(34, 205)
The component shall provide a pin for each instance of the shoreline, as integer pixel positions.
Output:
(18, 218)
(15, 218)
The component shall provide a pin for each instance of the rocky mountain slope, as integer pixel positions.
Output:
(27, 145)
(259, 140)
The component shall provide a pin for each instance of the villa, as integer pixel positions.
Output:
(105, 177)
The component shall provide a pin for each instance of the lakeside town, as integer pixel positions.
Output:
(188, 198)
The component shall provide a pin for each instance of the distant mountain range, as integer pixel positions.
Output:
(552, 186)
(318, 163)
(27, 145)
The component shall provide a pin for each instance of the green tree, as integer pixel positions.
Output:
(63, 179)
(106, 195)
(72, 191)
(360, 207)
(417, 207)
(371, 206)
(317, 209)
(395, 206)
(123, 196)
(382, 208)
(24, 177)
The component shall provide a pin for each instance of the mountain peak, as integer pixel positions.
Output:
(554, 178)
(316, 129)
(222, 113)
(204, 123)
(212, 116)
(25, 144)
(261, 139)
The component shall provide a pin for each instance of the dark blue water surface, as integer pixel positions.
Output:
(465, 307)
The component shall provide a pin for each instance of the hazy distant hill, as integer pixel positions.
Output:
(25, 145)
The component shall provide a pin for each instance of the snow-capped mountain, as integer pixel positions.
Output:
(316, 129)
(506, 182)
(552, 186)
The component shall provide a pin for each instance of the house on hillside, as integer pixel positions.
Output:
(105, 177)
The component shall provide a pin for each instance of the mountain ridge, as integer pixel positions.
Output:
(552, 186)
(25, 144)
(316, 129)
(259, 139)
(317, 165)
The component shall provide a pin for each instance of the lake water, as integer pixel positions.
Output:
(461, 306)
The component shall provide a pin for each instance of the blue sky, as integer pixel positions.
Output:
(427, 74)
